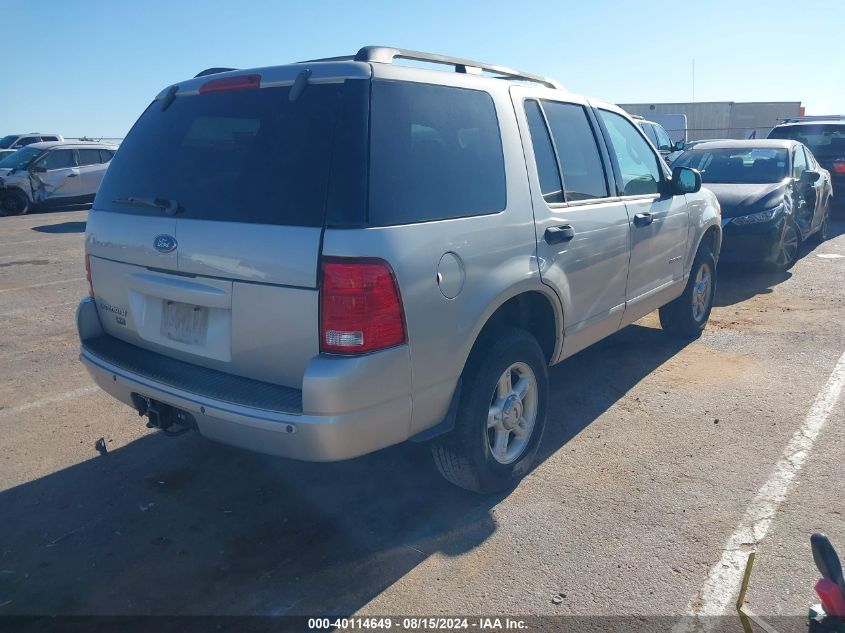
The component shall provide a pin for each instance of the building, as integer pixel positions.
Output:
(721, 119)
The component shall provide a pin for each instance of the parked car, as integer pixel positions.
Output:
(657, 135)
(6, 152)
(774, 196)
(416, 239)
(16, 141)
(52, 174)
(681, 147)
(824, 136)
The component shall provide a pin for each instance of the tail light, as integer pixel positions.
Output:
(239, 82)
(360, 307)
(839, 167)
(88, 275)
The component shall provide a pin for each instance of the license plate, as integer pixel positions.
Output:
(184, 322)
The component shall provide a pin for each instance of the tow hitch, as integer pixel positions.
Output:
(163, 416)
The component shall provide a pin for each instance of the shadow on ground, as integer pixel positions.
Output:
(738, 283)
(62, 227)
(185, 526)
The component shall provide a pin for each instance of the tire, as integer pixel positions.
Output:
(13, 202)
(790, 248)
(686, 316)
(470, 456)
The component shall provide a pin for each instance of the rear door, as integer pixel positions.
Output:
(659, 223)
(91, 170)
(582, 230)
(210, 217)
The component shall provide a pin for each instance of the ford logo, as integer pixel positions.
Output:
(164, 243)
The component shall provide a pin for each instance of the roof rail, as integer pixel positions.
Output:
(387, 54)
(212, 71)
(816, 117)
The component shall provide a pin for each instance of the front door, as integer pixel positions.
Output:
(659, 222)
(56, 176)
(582, 229)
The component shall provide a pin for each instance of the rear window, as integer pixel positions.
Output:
(435, 153)
(241, 156)
(824, 140)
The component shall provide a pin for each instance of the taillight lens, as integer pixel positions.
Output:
(360, 307)
(839, 167)
(240, 82)
(88, 275)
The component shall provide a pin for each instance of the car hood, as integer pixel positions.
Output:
(744, 199)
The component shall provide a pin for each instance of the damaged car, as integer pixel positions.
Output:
(52, 174)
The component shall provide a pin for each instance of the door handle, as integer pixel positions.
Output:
(643, 219)
(72, 175)
(558, 234)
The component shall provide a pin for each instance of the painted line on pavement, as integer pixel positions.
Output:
(719, 592)
(46, 283)
(59, 397)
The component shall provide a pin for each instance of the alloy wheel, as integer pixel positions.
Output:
(512, 413)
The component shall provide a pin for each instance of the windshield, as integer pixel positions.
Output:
(824, 140)
(7, 141)
(737, 166)
(20, 159)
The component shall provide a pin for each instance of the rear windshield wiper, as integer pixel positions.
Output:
(170, 207)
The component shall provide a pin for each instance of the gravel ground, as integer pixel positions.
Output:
(653, 451)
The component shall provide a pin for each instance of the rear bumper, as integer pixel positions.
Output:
(348, 406)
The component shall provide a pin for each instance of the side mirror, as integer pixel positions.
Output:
(686, 180)
(810, 176)
(678, 146)
(38, 169)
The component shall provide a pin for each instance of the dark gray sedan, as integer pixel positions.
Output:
(774, 196)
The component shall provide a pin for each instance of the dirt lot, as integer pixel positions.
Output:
(654, 453)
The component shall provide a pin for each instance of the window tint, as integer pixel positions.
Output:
(240, 156)
(88, 156)
(58, 159)
(544, 154)
(49, 138)
(583, 173)
(799, 163)
(105, 155)
(29, 140)
(638, 166)
(663, 140)
(435, 153)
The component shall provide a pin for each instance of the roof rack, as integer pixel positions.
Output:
(212, 71)
(816, 117)
(387, 55)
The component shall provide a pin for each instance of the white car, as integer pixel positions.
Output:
(52, 174)
(16, 141)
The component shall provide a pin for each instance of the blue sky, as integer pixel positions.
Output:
(89, 67)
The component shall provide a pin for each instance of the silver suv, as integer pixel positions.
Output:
(326, 258)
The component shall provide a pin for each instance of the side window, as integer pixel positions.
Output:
(648, 128)
(88, 157)
(435, 153)
(58, 159)
(638, 166)
(28, 140)
(49, 138)
(544, 154)
(105, 155)
(811, 160)
(663, 140)
(799, 163)
(580, 161)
